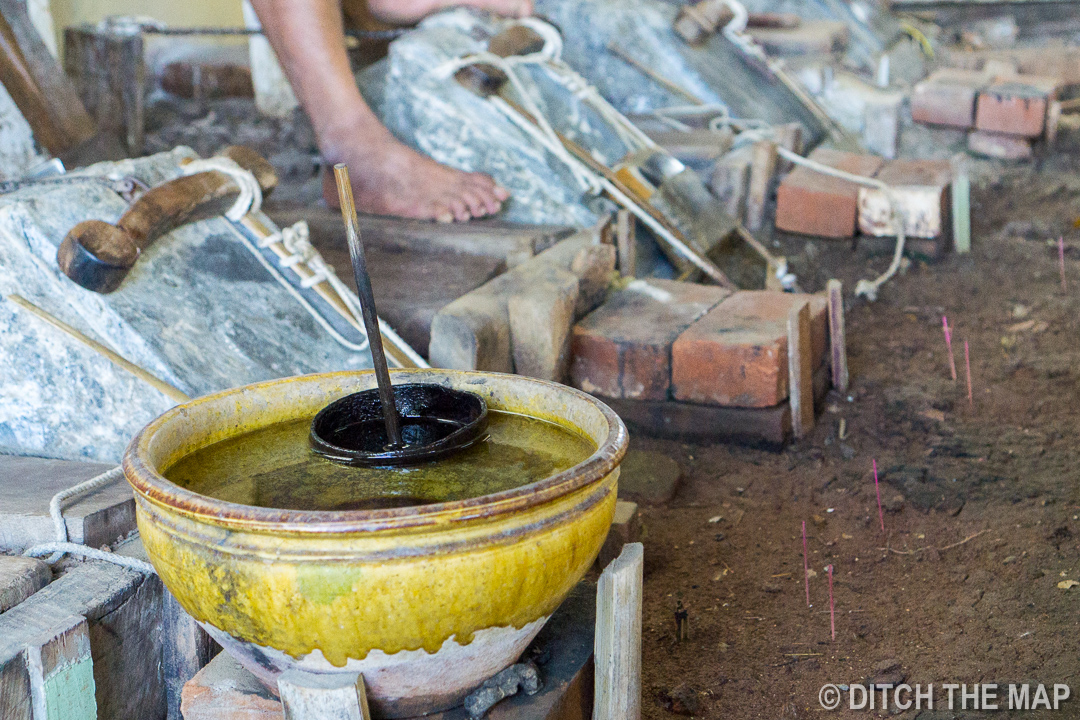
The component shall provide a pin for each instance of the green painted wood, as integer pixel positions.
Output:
(961, 213)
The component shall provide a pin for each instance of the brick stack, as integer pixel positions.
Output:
(686, 346)
(1003, 110)
(811, 203)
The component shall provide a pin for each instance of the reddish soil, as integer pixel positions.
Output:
(982, 507)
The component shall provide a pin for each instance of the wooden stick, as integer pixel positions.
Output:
(806, 563)
(967, 364)
(948, 346)
(832, 603)
(800, 370)
(123, 363)
(323, 696)
(837, 336)
(1061, 262)
(877, 489)
(672, 87)
(618, 638)
(626, 242)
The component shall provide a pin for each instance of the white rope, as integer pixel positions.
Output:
(59, 548)
(250, 198)
(866, 288)
(89, 552)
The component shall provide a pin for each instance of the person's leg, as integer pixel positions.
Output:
(406, 12)
(388, 177)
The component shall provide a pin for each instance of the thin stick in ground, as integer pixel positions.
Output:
(806, 564)
(832, 605)
(948, 346)
(877, 489)
(1061, 262)
(967, 365)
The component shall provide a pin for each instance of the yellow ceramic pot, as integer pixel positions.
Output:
(425, 601)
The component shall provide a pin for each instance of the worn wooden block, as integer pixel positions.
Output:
(920, 188)
(623, 349)
(123, 611)
(20, 577)
(223, 690)
(110, 75)
(730, 180)
(626, 243)
(947, 97)
(697, 21)
(762, 171)
(834, 289)
(61, 671)
(625, 528)
(800, 370)
(737, 354)
(309, 696)
(27, 485)
(540, 320)
(1016, 106)
(811, 203)
(186, 649)
(999, 145)
(618, 637)
(696, 145)
(473, 332)
(16, 702)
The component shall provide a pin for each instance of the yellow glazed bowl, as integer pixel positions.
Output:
(426, 602)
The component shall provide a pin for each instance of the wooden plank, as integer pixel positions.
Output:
(186, 649)
(21, 577)
(618, 637)
(626, 242)
(837, 335)
(109, 74)
(309, 696)
(15, 700)
(62, 671)
(43, 93)
(541, 316)
(800, 373)
(961, 212)
(762, 171)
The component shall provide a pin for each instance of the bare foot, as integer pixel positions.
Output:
(408, 12)
(391, 179)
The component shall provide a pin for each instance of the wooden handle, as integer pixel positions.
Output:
(98, 256)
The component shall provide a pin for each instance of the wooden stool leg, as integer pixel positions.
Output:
(307, 696)
(618, 637)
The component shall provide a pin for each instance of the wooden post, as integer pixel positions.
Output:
(62, 671)
(762, 170)
(110, 75)
(961, 212)
(837, 336)
(185, 649)
(626, 242)
(800, 370)
(310, 696)
(618, 638)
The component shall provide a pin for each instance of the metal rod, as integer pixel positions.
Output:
(367, 304)
(157, 383)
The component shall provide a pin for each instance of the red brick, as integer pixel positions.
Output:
(920, 187)
(947, 97)
(736, 355)
(810, 203)
(1016, 106)
(623, 349)
(996, 145)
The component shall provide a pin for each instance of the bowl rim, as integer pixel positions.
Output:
(151, 485)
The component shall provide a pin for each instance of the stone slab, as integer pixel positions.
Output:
(648, 477)
(27, 484)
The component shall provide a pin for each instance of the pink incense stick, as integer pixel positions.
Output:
(967, 363)
(948, 344)
(877, 487)
(805, 564)
(832, 605)
(1061, 261)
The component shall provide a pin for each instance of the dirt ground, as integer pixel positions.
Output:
(981, 501)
